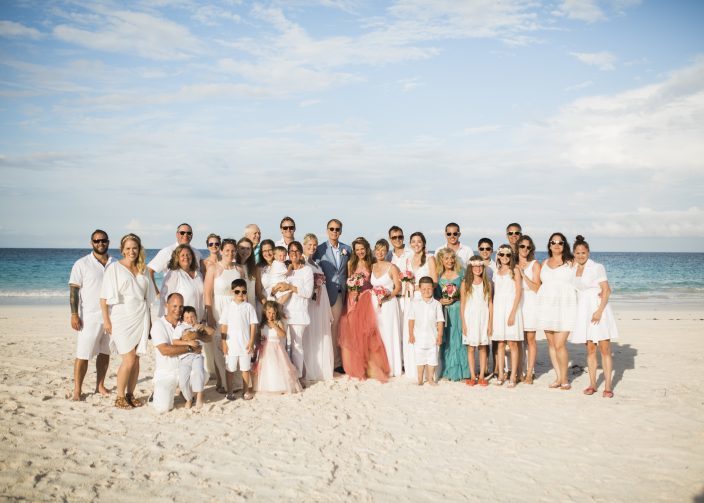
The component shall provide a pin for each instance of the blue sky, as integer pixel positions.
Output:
(579, 116)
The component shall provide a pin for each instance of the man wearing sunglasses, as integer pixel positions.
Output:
(288, 229)
(513, 234)
(160, 262)
(452, 235)
(332, 256)
(86, 317)
(486, 248)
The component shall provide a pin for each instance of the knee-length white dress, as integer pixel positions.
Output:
(557, 299)
(504, 297)
(529, 301)
(476, 317)
(588, 301)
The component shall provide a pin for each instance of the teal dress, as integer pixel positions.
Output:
(453, 354)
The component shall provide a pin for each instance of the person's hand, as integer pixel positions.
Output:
(198, 349)
(446, 302)
(411, 339)
(511, 319)
(250, 348)
(224, 347)
(596, 317)
(490, 331)
(107, 325)
(193, 343)
(76, 321)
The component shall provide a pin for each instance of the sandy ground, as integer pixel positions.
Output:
(362, 441)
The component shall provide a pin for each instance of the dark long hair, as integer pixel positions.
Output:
(270, 242)
(566, 252)
(422, 237)
(354, 260)
(250, 265)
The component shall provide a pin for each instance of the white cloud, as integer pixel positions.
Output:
(11, 29)
(646, 222)
(133, 33)
(410, 84)
(583, 10)
(580, 86)
(603, 60)
(658, 127)
(308, 103)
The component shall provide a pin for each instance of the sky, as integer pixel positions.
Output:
(579, 116)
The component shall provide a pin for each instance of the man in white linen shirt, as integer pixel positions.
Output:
(86, 317)
(452, 234)
(160, 262)
(166, 353)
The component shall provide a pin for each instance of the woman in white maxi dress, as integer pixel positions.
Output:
(125, 297)
(595, 324)
(318, 354)
(218, 294)
(385, 276)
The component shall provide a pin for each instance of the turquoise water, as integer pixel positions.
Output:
(37, 275)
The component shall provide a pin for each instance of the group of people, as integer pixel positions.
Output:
(270, 316)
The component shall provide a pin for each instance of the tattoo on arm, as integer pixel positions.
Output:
(73, 296)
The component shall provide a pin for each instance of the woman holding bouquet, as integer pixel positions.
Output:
(386, 285)
(317, 340)
(453, 354)
(363, 353)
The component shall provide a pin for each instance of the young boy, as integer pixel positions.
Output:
(191, 370)
(425, 327)
(278, 273)
(238, 327)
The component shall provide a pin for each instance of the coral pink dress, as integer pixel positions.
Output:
(361, 346)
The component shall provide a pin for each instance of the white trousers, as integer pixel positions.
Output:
(295, 349)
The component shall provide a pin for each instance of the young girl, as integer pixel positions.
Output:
(275, 373)
(476, 306)
(508, 321)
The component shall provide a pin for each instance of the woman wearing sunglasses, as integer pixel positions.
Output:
(213, 244)
(557, 305)
(530, 274)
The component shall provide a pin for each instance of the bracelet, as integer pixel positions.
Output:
(74, 314)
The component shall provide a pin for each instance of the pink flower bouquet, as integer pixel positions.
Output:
(380, 293)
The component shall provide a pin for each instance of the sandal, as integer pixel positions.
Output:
(122, 403)
(133, 401)
(565, 387)
(500, 382)
(470, 382)
(528, 380)
(511, 384)
(483, 382)
(589, 391)
(554, 385)
(608, 394)
(248, 396)
(231, 395)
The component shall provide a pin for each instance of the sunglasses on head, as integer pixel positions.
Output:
(101, 241)
(513, 233)
(186, 233)
(288, 227)
(485, 248)
(214, 243)
(239, 292)
(452, 233)
(557, 243)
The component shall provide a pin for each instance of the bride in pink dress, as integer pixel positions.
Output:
(363, 352)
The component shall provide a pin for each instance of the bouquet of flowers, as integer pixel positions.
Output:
(355, 282)
(380, 293)
(408, 281)
(319, 282)
(450, 292)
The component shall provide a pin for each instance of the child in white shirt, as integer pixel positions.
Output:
(278, 273)
(238, 328)
(192, 375)
(425, 327)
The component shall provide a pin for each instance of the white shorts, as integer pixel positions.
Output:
(233, 363)
(92, 340)
(426, 356)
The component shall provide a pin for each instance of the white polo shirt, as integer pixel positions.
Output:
(160, 262)
(163, 333)
(238, 318)
(87, 274)
(426, 314)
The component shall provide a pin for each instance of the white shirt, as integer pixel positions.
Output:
(181, 329)
(463, 253)
(163, 333)
(238, 318)
(335, 253)
(160, 262)
(87, 274)
(426, 314)
(403, 262)
(296, 308)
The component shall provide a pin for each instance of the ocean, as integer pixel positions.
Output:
(40, 276)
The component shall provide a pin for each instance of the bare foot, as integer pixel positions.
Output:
(420, 383)
(199, 405)
(103, 391)
(433, 383)
(74, 397)
(189, 404)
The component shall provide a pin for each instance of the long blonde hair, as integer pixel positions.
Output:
(468, 282)
(440, 256)
(141, 257)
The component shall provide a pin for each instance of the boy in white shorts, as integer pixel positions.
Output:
(238, 327)
(425, 327)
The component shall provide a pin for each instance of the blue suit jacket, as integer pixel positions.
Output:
(335, 277)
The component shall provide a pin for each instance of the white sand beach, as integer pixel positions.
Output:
(362, 441)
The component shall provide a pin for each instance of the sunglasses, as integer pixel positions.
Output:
(101, 241)
(214, 243)
(513, 233)
(452, 233)
(485, 248)
(288, 227)
(394, 238)
(334, 229)
(557, 243)
(501, 254)
(522, 247)
(239, 292)
(186, 233)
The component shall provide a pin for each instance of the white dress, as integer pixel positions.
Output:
(129, 297)
(476, 317)
(318, 353)
(557, 299)
(388, 318)
(588, 301)
(274, 371)
(529, 301)
(504, 296)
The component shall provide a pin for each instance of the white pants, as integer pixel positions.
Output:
(336, 309)
(191, 375)
(295, 350)
(165, 382)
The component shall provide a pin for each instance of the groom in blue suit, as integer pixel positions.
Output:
(332, 257)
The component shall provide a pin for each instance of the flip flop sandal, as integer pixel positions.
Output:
(133, 401)
(122, 403)
(248, 396)
(608, 394)
(231, 396)
(589, 391)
